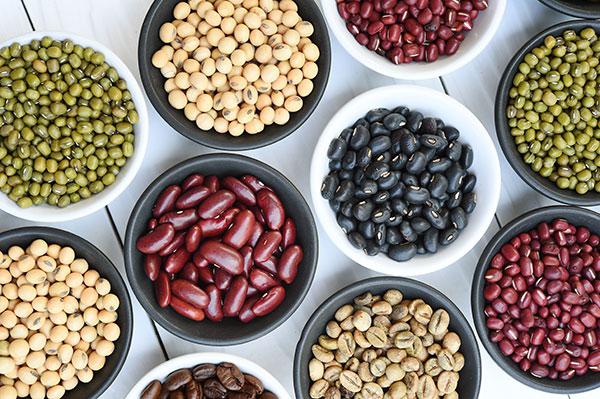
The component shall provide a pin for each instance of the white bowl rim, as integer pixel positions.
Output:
(381, 263)
(247, 366)
(414, 71)
(50, 214)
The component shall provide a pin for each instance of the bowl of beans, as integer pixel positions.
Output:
(535, 299)
(546, 112)
(577, 8)
(65, 316)
(212, 375)
(234, 75)
(420, 39)
(70, 142)
(390, 337)
(404, 180)
(221, 249)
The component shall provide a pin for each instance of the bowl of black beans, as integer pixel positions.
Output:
(405, 180)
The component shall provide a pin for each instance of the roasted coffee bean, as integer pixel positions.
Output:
(203, 372)
(213, 389)
(177, 379)
(230, 376)
(152, 390)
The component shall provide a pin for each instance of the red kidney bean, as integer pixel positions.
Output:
(214, 310)
(152, 223)
(192, 197)
(199, 261)
(217, 226)
(152, 264)
(253, 182)
(193, 238)
(262, 280)
(267, 245)
(222, 279)
(206, 275)
(166, 200)
(246, 314)
(288, 232)
(248, 260)
(269, 301)
(162, 290)
(190, 273)
(271, 208)
(186, 310)
(156, 239)
(193, 180)
(235, 297)
(178, 242)
(189, 293)
(223, 256)
(287, 268)
(216, 203)
(243, 193)
(176, 261)
(241, 229)
(257, 231)
(212, 183)
(180, 219)
(269, 265)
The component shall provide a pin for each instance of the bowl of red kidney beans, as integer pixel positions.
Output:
(221, 249)
(414, 39)
(536, 299)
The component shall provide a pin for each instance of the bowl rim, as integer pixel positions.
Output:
(247, 366)
(156, 94)
(571, 9)
(411, 71)
(540, 184)
(368, 100)
(322, 314)
(50, 214)
(150, 306)
(508, 231)
(105, 262)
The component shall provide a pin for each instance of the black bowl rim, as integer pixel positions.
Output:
(572, 9)
(477, 301)
(324, 313)
(258, 140)
(152, 309)
(507, 144)
(125, 299)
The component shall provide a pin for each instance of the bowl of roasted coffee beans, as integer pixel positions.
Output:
(536, 299)
(208, 375)
(390, 337)
(414, 39)
(404, 180)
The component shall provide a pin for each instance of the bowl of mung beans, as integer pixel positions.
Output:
(547, 110)
(66, 321)
(578, 8)
(73, 126)
(234, 75)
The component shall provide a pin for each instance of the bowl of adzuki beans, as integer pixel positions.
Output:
(536, 299)
(416, 39)
(221, 249)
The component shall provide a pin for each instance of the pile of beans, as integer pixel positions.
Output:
(237, 65)
(386, 346)
(211, 381)
(399, 183)
(220, 247)
(543, 300)
(408, 31)
(66, 125)
(57, 321)
(553, 110)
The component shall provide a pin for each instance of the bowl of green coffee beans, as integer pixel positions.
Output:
(547, 112)
(73, 126)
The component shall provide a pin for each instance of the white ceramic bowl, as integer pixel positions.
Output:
(163, 370)
(485, 166)
(49, 214)
(484, 28)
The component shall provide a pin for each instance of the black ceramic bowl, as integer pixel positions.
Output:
(97, 260)
(229, 331)
(509, 148)
(524, 223)
(470, 376)
(577, 8)
(160, 12)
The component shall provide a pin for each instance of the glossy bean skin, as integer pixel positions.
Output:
(214, 311)
(269, 265)
(152, 391)
(261, 280)
(287, 268)
(246, 314)
(152, 265)
(235, 297)
(189, 293)
(190, 273)
(243, 193)
(166, 200)
(272, 208)
(162, 289)
(206, 275)
(288, 231)
(178, 242)
(267, 245)
(199, 261)
(180, 219)
(241, 229)
(222, 279)
(217, 226)
(269, 302)
(212, 183)
(156, 239)
(216, 203)
(152, 223)
(186, 310)
(248, 260)
(257, 231)
(192, 180)
(192, 197)
(176, 261)
(253, 182)
(223, 256)
(193, 238)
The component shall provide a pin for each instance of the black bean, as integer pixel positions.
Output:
(399, 206)
(394, 220)
(380, 234)
(421, 248)
(434, 217)
(428, 126)
(394, 121)
(414, 121)
(344, 191)
(454, 200)
(402, 110)
(349, 160)
(438, 185)
(419, 224)
(335, 164)
(346, 133)
(448, 236)
(408, 142)
(398, 190)
(330, 184)
(360, 137)
(458, 218)
(416, 195)
(379, 129)
(337, 149)
(345, 174)
(335, 205)
(361, 195)
(430, 153)
(414, 210)
(434, 203)
(384, 248)
(346, 208)
(361, 122)
(439, 165)
(407, 231)
(432, 141)
(455, 175)
(417, 163)
(430, 240)
(357, 240)
(369, 186)
(469, 183)
(347, 224)
(376, 170)
(425, 179)
(410, 180)
(393, 236)
(363, 158)
(454, 151)
(402, 252)
(381, 197)
(469, 202)
(451, 133)
(362, 210)
(398, 161)
(377, 114)
(372, 248)
(440, 124)
(386, 157)
(380, 144)
(359, 176)
(381, 214)
(388, 180)
(367, 229)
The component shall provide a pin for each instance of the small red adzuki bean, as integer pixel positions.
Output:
(166, 200)
(156, 239)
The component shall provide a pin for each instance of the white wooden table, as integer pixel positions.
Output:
(117, 23)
